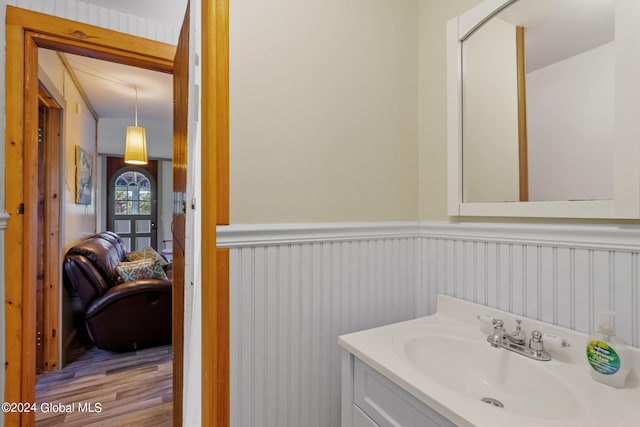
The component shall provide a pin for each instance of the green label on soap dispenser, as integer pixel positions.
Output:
(603, 358)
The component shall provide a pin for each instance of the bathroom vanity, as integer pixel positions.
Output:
(377, 401)
(442, 370)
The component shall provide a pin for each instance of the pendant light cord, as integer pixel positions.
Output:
(136, 120)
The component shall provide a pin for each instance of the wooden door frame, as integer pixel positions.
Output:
(215, 204)
(25, 32)
(51, 235)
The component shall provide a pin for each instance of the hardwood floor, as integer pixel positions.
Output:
(103, 388)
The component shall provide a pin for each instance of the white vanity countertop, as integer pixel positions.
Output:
(445, 361)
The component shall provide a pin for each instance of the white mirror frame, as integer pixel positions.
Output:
(626, 201)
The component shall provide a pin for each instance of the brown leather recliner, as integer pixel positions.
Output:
(118, 316)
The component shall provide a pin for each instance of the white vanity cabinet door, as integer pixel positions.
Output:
(360, 419)
(387, 404)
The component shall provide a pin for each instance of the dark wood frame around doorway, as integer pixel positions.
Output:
(25, 32)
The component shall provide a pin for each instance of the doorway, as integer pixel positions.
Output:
(25, 32)
(132, 208)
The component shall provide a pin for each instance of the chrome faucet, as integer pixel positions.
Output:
(516, 340)
(517, 336)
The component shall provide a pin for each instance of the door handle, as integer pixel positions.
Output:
(153, 225)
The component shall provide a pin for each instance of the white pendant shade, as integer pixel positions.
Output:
(135, 150)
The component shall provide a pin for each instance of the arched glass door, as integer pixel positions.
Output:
(132, 207)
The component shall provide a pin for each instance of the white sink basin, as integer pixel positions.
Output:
(477, 370)
(445, 361)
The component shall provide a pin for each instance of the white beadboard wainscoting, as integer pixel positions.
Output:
(290, 300)
(562, 274)
(295, 288)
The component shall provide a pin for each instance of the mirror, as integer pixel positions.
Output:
(549, 66)
(537, 94)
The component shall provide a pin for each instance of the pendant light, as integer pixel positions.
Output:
(135, 149)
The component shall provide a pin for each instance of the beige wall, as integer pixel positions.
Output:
(434, 15)
(324, 107)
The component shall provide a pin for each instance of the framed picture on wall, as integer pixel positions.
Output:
(84, 177)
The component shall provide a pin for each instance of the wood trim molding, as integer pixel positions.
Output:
(523, 146)
(25, 32)
(30, 221)
(222, 109)
(52, 245)
(14, 173)
(76, 37)
(214, 168)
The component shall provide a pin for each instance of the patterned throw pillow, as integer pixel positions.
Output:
(146, 253)
(140, 269)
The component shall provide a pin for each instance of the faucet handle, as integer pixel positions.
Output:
(535, 343)
(489, 320)
(555, 340)
(518, 325)
(485, 318)
(536, 347)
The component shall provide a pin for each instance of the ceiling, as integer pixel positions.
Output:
(559, 29)
(111, 88)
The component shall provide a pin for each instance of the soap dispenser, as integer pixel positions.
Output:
(607, 353)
